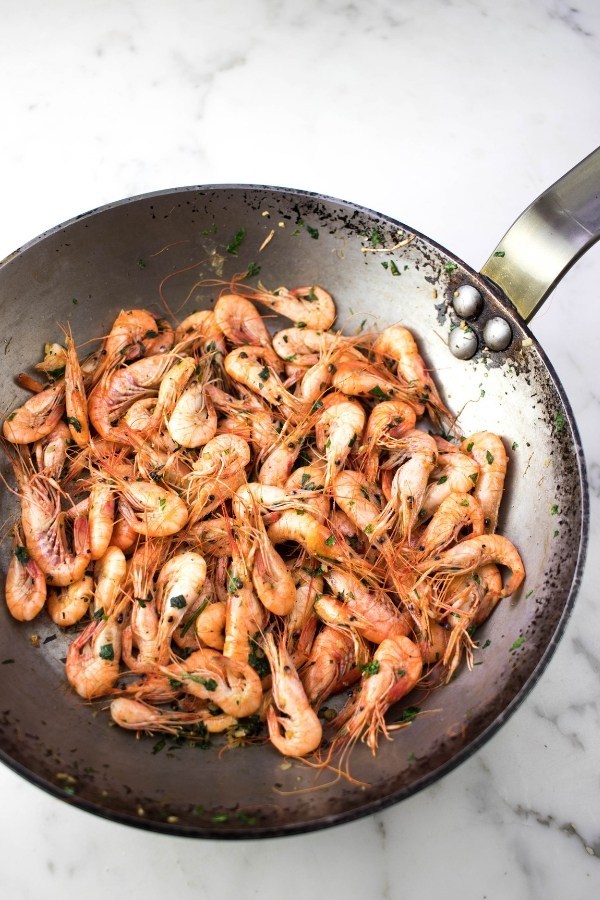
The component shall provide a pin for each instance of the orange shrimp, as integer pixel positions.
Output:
(488, 451)
(25, 588)
(294, 727)
(394, 671)
(37, 417)
(333, 664)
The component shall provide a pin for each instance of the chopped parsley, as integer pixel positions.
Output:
(370, 668)
(107, 652)
(234, 245)
(378, 393)
(330, 540)
(179, 602)
(75, 423)
(519, 641)
(22, 555)
(559, 421)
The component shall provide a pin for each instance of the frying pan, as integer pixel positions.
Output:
(163, 247)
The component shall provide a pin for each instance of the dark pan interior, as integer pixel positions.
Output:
(159, 248)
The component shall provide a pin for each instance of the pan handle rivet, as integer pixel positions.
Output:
(497, 333)
(467, 301)
(462, 342)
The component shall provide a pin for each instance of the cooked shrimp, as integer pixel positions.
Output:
(118, 389)
(251, 367)
(43, 525)
(140, 646)
(54, 361)
(193, 421)
(245, 615)
(93, 658)
(277, 465)
(371, 613)
(338, 426)
(178, 590)
(68, 605)
(301, 622)
(101, 518)
(242, 324)
(151, 509)
(394, 671)
(25, 588)
(454, 473)
(37, 417)
(333, 664)
(302, 528)
(359, 500)
(51, 451)
(390, 417)
(171, 388)
(128, 338)
(310, 306)
(417, 453)
(397, 343)
(488, 451)
(475, 552)
(200, 330)
(306, 485)
(209, 626)
(136, 715)
(358, 379)
(75, 397)
(456, 512)
(294, 727)
(109, 573)
(271, 578)
(230, 683)
(307, 346)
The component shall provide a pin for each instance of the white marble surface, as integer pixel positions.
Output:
(451, 116)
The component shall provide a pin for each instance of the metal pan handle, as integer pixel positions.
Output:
(546, 239)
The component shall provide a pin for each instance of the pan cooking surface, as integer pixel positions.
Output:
(162, 248)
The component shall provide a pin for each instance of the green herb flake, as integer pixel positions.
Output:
(470, 446)
(209, 683)
(443, 479)
(394, 268)
(179, 602)
(22, 555)
(554, 509)
(252, 270)
(519, 641)
(499, 253)
(74, 301)
(486, 645)
(330, 540)
(141, 263)
(368, 529)
(159, 745)
(107, 652)
(409, 714)
(352, 441)
(162, 502)
(559, 422)
(264, 373)
(314, 232)
(528, 594)
(370, 668)
(221, 817)
(489, 457)
(258, 660)
(375, 238)
(234, 245)
(378, 393)
(556, 534)
(474, 476)
(514, 445)
(75, 423)
(450, 267)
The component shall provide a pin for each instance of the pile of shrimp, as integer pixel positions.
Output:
(234, 527)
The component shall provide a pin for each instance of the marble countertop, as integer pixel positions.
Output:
(452, 117)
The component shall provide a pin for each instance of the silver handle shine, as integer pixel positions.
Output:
(548, 237)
